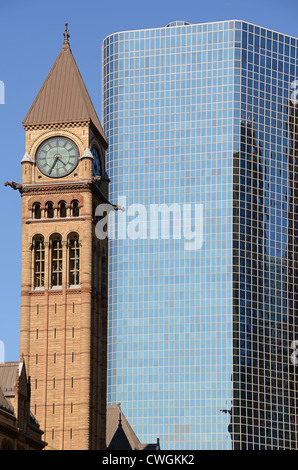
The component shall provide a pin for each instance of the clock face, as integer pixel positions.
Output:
(57, 157)
(96, 161)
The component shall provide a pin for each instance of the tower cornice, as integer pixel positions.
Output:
(57, 125)
(58, 187)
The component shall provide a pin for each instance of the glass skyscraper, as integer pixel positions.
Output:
(202, 331)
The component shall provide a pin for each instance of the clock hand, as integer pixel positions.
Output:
(51, 169)
(59, 158)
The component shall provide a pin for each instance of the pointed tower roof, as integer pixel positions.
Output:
(63, 96)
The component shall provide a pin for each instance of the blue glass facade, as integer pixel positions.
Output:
(199, 335)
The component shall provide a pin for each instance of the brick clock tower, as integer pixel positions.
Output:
(64, 266)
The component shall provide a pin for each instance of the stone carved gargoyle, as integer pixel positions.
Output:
(14, 185)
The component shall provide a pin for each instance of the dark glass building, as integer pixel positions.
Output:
(202, 322)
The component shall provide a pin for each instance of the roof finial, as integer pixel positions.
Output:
(66, 35)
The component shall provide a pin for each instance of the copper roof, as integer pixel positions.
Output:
(9, 372)
(5, 404)
(63, 96)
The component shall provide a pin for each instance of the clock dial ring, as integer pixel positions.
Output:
(57, 157)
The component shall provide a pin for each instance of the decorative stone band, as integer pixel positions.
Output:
(54, 188)
(56, 125)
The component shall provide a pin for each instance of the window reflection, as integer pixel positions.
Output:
(204, 349)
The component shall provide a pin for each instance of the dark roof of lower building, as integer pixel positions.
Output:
(120, 435)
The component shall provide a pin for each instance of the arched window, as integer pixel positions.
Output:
(75, 211)
(49, 210)
(39, 261)
(36, 210)
(56, 261)
(74, 259)
(62, 209)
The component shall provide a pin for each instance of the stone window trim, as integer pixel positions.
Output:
(59, 257)
(49, 210)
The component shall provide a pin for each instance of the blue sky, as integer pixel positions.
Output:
(30, 40)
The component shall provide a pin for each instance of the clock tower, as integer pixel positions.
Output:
(64, 266)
